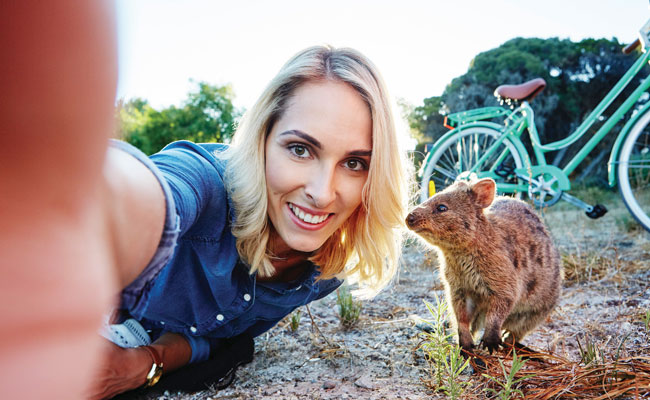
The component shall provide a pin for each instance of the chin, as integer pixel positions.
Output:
(305, 246)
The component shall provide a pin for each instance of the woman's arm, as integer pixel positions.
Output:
(135, 210)
(135, 213)
(127, 369)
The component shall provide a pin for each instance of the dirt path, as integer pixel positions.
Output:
(607, 265)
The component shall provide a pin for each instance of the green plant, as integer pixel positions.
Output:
(589, 354)
(436, 341)
(646, 321)
(295, 320)
(445, 359)
(508, 389)
(455, 364)
(349, 309)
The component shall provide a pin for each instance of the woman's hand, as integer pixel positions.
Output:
(121, 370)
(127, 369)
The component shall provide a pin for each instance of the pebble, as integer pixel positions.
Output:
(365, 382)
(329, 385)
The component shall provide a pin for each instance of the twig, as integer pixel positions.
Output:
(392, 321)
(313, 324)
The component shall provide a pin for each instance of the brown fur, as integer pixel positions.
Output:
(500, 268)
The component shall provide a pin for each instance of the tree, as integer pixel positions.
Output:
(207, 115)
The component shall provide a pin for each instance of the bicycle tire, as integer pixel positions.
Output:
(633, 171)
(459, 153)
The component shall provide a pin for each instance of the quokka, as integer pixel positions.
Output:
(499, 266)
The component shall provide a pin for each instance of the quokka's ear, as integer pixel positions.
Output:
(485, 190)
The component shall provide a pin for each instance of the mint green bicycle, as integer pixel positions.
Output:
(478, 146)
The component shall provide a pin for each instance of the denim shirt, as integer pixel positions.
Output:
(201, 288)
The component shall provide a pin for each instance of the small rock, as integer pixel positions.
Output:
(329, 385)
(364, 382)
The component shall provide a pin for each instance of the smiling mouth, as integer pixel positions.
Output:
(306, 217)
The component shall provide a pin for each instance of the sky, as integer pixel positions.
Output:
(419, 46)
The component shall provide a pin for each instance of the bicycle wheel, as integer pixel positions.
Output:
(460, 152)
(634, 171)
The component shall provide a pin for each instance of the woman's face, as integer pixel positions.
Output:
(317, 159)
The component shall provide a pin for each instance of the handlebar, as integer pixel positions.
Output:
(631, 47)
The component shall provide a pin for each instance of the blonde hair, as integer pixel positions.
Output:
(369, 242)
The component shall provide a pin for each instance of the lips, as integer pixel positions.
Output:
(307, 220)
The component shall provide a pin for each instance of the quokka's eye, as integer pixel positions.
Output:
(441, 208)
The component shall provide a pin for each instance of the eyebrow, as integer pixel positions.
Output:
(303, 135)
(317, 144)
(360, 153)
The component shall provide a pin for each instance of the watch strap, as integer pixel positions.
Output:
(156, 368)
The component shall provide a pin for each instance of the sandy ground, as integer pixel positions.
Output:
(607, 263)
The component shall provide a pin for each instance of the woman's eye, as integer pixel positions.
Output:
(355, 165)
(299, 150)
(441, 208)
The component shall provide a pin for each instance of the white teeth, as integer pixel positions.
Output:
(310, 219)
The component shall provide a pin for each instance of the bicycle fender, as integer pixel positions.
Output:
(483, 124)
(613, 157)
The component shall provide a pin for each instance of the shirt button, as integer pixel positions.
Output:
(193, 329)
(247, 297)
(219, 317)
(162, 322)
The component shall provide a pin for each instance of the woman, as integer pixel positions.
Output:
(312, 189)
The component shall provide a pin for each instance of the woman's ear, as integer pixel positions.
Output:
(485, 190)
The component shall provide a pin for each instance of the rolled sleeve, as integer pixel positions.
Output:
(200, 348)
(191, 173)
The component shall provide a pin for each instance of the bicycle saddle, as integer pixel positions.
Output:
(526, 91)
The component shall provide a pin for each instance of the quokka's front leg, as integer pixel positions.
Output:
(464, 312)
(497, 312)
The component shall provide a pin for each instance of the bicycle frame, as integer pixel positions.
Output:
(523, 118)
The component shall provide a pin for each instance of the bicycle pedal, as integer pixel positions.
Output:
(597, 211)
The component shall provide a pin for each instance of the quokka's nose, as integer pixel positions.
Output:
(410, 220)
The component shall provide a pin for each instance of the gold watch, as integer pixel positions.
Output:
(156, 368)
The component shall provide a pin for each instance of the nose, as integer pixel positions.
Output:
(412, 219)
(321, 187)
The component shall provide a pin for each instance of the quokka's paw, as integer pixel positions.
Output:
(491, 343)
(467, 351)
(477, 364)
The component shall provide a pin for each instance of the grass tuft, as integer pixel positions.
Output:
(590, 352)
(295, 320)
(349, 309)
